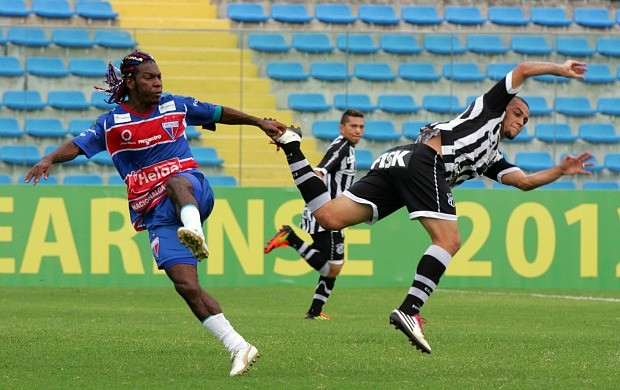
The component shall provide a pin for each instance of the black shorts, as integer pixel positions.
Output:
(410, 175)
(331, 244)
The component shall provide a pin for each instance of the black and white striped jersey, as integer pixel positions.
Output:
(470, 142)
(338, 169)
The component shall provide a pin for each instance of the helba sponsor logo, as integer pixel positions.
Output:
(155, 174)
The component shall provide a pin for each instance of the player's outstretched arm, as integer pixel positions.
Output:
(65, 152)
(571, 68)
(231, 116)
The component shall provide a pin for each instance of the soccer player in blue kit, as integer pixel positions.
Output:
(145, 136)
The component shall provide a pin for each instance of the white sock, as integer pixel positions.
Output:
(219, 326)
(190, 216)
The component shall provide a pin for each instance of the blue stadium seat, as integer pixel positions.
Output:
(380, 14)
(593, 17)
(599, 74)
(531, 44)
(399, 44)
(99, 99)
(464, 15)
(222, 181)
(555, 133)
(78, 125)
(286, 71)
(411, 130)
(443, 104)
(191, 132)
(373, 71)
(53, 9)
(609, 106)
(46, 67)
(329, 71)
(550, 17)
(418, 71)
(363, 159)
(14, 8)
(598, 133)
(312, 43)
(3, 40)
(560, 185)
(9, 128)
(269, 43)
(23, 100)
(73, 100)
(533, 161)
(206, 156)
(114, 39)
(574, 106)
(608, 46)
(612, 162)
(498, 70)
(102, 158)
(10, 67)
(356, 101)
(51, 180)
(44, 128)
(523, 137)
(472, 184)
(463, 72)
(75, 38)
(538, 105)
(20, 154)
(247, 12)
(85, 179)
(381, 131)
(443, 44)
(508, 16)
(115, 180)
(486, 44)
(290, 13)
(601, 185)
(421, 15)
(308, 102)
(356, 44)
(397, 104)
(327, 130)
(88, 67)
(6, 179)
(334, 13)
(577, 46)
(95, 10)
(28, 36)
(552, 79)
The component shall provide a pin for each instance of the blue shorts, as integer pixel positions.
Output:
(163, 222)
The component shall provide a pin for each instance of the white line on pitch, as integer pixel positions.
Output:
(536, 295)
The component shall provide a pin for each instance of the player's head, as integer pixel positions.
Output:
(352, 126)
(131, 69)
(517, 115)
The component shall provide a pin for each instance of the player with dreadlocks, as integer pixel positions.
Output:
(145, 136)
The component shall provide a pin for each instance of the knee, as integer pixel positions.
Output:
(173, 184)
(334, 271)
(453, 244)
(187, 290)
(328, 221)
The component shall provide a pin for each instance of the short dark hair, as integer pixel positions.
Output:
(348, 113)
(523, 100)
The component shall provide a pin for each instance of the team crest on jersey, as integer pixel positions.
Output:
(340, 249)
(171, 127)
(155, 245)
(450, 199)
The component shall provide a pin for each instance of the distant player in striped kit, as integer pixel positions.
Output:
(145, 136)
(420, 176)
(326, 252)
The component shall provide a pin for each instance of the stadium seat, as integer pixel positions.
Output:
(363, 159)
(23, 100)
(329, 71)
(10, 67)
(609, 106)
(560, 185)
(508, 16)
(326, 130)
(373, 71)
(538, 105)
(599, 74)
(554, 133)
(359, 102)
(574, 106)
(44, 128)
(115, 180)
(574, 47)
(95, 10)
(600, 185)
(308, 102)
(399, 44)
(114, 39)
(443, 44)
(550, 17)
(312, 43)
(497, 71)
(191, 132)
(268, 43)
(379, 14)
(462, 72)
(523, 137)
(593, 17)
(442, 104)
(486, 44)
(598, 133)
(20, 154)
(6, 179)
(381, 131)
(418, 71)
(53, 9)
(28, 36)
(74, 38)
(411, 130)
(472, 184)
(247, 12)
(46, 67)
(464, 15)
(88, 67)
(286, 71)
(334, 13)
(9, 128)
(530, 44)
(222, 181)
(78, 125)
(14, 8)
(206, 156)
(421, 15)
(51, 180)
(102, 158)
(397, 104)
(356, 43)
(552, 79)
(533, 161)
(99, 100)
(73, 100)
(84, 179)
(612, 162)
(608, 46)
(290, 13)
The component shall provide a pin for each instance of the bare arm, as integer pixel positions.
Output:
(570, 165)
(65, 152)
(271, 127)
(571, 68)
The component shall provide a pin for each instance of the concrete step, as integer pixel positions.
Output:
(200, 54)
(212, 69)
(181, 23)
(186, 39)
(216, 84)
(202, 10)
(255, 102)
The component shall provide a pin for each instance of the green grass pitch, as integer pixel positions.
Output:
(146, 338)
